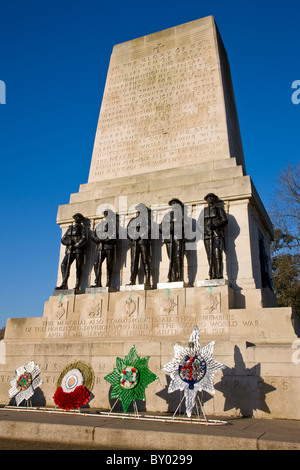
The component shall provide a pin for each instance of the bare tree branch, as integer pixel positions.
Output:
(285, 208)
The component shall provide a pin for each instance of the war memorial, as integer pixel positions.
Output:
(168, 234)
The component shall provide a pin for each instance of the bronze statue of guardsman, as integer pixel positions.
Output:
(173, 233)
(139, 235)
(105, 237)
(75, 240)
(215, 219)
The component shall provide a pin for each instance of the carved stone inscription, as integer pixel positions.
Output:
(162, 106)
(167, 325)
(76, 328)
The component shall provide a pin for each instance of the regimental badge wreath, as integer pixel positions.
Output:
(26, 380)
(130, 378)
(192, 369)
(74, 386)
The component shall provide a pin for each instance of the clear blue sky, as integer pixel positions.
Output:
(54, 57)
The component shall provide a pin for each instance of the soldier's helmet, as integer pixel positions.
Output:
(175, 201)
(211, 195)
(78, 215)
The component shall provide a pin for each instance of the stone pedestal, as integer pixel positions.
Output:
(64, 292)
(261, 379)
(172, 285)
(99, 290)
(135, 287)
(212, 283)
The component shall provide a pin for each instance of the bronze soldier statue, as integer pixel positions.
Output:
(215, 220)
(139, 235)
(266, 279)
(173, 233)
(75, 240)
(105, 237)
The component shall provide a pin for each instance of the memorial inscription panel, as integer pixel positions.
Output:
(163, 104)
(136, 326)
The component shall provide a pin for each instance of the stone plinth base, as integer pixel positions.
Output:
(135, 287)
(172, 285)
(262, 375)
(63, 292)
(99, 290)
(212, 283)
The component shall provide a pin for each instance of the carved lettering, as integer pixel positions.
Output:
(159, 109)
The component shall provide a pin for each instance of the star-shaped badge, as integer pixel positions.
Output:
(26, 380)
(130, 378)
(192, 370)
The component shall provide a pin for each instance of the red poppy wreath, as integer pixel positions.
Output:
(74, 386)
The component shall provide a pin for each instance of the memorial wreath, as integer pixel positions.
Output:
(74, 386)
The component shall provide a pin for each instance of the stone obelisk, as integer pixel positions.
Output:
(168, 103)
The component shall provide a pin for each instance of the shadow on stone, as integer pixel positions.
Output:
(38, 399)
(116, 404)
(173, 399)
(243, 388)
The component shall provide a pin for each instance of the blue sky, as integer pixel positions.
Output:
(54, 57)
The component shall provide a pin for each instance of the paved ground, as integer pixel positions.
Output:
(45, 430)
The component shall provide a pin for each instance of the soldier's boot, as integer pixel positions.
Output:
(78, 281)
(148, 280)
(178, 269)
(97, 277)
(170, 273)
(133, 277)
(64, 275)
(98, 282)
(109, 277)
(219, 269)
(181, 270)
